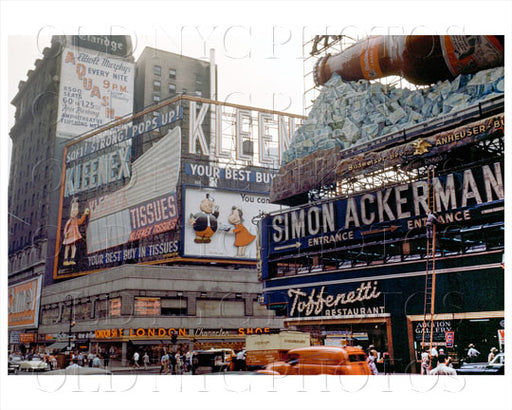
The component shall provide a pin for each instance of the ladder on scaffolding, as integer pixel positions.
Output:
(430, 273)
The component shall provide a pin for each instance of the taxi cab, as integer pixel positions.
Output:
(314, 360)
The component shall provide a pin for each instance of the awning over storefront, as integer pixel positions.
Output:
(57, 346)
(147, 342)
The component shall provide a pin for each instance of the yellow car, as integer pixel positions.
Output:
(321, 360)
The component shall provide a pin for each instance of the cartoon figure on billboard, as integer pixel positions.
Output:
(242, 236)
(205, 222)
(72, 233)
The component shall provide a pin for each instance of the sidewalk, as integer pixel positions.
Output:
(115, 366)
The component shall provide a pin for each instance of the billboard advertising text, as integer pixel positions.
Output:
(219, 223)
(24, 299)
(116, 211)
(459, 197)
(95, 89)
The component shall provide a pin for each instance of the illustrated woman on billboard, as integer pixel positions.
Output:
(72, 233)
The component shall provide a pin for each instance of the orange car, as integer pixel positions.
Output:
(322, 360)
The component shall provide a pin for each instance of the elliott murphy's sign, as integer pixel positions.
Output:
(317, 303)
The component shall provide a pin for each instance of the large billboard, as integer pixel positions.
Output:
(116, 211)
(95, 89)
(473, 194)
(221, 223)
(24, 301)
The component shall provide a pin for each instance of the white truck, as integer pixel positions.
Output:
(263, 349)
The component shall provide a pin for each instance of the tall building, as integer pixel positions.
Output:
(58, 101)
(34, 169)
(161, 75)
(43, 124)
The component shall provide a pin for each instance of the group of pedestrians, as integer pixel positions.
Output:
(373, 357)
(90, 359)
(176, 363)
(145, 360)
(51, 360)
(437, 363)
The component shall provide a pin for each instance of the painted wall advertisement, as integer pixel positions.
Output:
(116, 211)
(95, 89)
(218, 223)
(24, 301)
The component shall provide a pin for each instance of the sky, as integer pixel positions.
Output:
(250, 67)
(260, 63)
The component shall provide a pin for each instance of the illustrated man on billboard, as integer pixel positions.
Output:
(205, 222)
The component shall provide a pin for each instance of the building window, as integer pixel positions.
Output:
(199, 93)
(199, 79)
(220, 308)
(101, 309)
(156, 98)
(157, 70)
(50, 316)
(172, 73)
(156, 85)
(147, 306)
(172, 88)
(115, 307)
(82, 311)
(174, 307)
(184, 91)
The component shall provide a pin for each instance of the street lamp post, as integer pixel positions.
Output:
(71, 321)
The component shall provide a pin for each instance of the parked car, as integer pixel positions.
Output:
(36, 364)
(14, 365)
(496, 366)
(321, 360)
